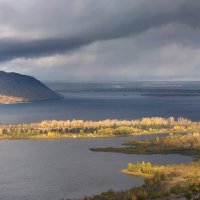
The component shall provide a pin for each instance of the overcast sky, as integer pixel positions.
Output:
(102, 40)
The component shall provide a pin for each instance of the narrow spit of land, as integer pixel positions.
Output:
(188, 144)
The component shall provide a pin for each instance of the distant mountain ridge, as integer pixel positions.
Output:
(15, 88)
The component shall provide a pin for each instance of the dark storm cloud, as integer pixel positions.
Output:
(13, 48)
(64, 31)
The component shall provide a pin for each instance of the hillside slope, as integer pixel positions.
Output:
(21, 88)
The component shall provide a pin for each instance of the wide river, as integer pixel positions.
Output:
(57, 169)
(114, 100)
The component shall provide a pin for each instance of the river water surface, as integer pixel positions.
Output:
(110, 101)
(56, 169)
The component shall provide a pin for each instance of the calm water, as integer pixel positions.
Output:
(113, 100)
(55, 169)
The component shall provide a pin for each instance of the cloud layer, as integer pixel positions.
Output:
(100, 39)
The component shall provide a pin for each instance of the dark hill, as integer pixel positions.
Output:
(21, 88)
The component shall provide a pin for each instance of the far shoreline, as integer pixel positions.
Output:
(31, 101)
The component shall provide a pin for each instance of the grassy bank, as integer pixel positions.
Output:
(177, 181)
(160, 185)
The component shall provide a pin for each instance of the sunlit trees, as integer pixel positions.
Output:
(142, 168)
(106, 127)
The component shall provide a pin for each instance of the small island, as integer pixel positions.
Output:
(17, 88)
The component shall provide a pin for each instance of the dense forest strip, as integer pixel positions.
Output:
(104, 128)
